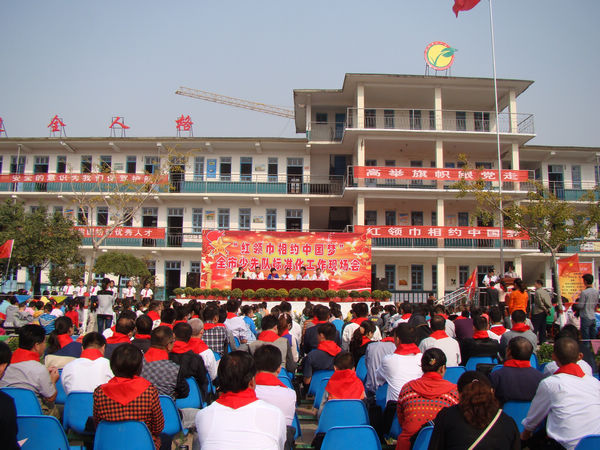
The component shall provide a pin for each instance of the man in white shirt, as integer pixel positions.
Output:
(319, 276)
(569, 399)
(361, 312)
(256, 275)
(236, 324)
(90, 370)
(440, 339)
(80, 290)
(287, 275)
(68, 289)
(302, 275)
(489, 277)
(238, 419)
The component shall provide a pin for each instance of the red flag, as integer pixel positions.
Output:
(463, 5)
(6, 249)
(471, 283)
(568, 265)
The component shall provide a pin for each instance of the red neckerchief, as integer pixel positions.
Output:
(153, 315)
(210, 326)
(155, 354)
(443, 315)
(500, 329)
(438, 334)
(125, 390)
(268, 336)
(268, 379)
(181, 347)
(315, 321)
(517, 363)
(142, 336)
(365, 340)
(113, 328)
(520, 327)
(461, 318)
(388, 339)
(345, 385)
(179, 321)
(164, 324)
(359, 320)
(285, 332)
(329, 347)
(21, 355)
(480, 334)
(91, 353)
(64, 340)
(431, 383)
(231, 315)
(571, 369)
(407, 349)
(197, 345)
(195, 316)
(236, 400)
(118, 338)
(406, 316)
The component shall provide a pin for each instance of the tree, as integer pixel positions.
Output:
(40, 239)
(122, 265)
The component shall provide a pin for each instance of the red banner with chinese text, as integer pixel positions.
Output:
(123, 232)
(570, 271)
(83, 178)
(439, 232)
(419, 173)
(344, 257)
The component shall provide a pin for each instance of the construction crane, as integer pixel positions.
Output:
(237, 102)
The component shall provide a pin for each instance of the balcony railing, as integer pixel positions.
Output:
(447, 243)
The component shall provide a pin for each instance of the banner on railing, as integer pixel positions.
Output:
(345, 258)
(118, 178)
(123, 232)
(439, 232)
(420, 173)
(570, 271)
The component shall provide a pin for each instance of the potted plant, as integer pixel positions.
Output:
(354, 295)
(237, 293)
(387, 295)
(364, 295)
(342, 294)
(248, 294)
(331, 293)
(377, 294)
(295, 293)
(261, 293)
(318, 293)
(178, 292)
(272, 293)
(283, 293)
(189, 292)
(305, 293)
(213, 293)
(226, 293)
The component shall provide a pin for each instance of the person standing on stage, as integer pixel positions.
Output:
(287, 275)
(273, 275)
(303, 275)
(146, 293)
(68, 290)
(257, 274)
(319, 275)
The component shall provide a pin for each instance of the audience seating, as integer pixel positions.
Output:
(361, 369)
(79, 406)
(194, 398)
(380, 396)
(497, 367)
(395, 429)
(534, 361)
(453, 373)
(109, 436)
(171, 414)
(474, 360)
(315, 381)
(542, 366)
(361, 437)
(342, 413)
(320, 391)
(42, 432)
(61, 395)
(26, 402)
(591, 442)
(217, 355)
(518, 411)
(423, 438)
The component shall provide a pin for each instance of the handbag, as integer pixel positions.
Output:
(484, 432)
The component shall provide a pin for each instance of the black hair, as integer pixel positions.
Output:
(322, 312)
(62, 325)
(182, 332)
(469, 377)
(236, 370)
(285, 306)
(328, 330)
(566, 350)
(143, 324)
(246, 309)
(343, 361)
(268, 322)
(232, 305)
(360, 309)
(480, 323)
(124, 326)
(161, 336)
(209, 313)
(518, 316)
(168, 315)
(406, 308)
(588, 278)
(267, 358)
(432, 360)
(222, 314)
(126, 361)
(495, 315)
(93, 339)
(5, 353)
(570, 331)
(405, 333)
(520, 348)
(437, 323)
(31, 334)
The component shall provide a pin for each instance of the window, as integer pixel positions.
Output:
(17, 167)
(371, 181)
(370, 217)
(390, 163)
(463, 219)
(151, 164)
(128, 213)
(82, 216)
(293, 219)
(41, 164)
(390, 218)
(416, 218)
(131, 164)
(105, 163)
(482, 121)
(416, 164)
(225, 168)
(321, 117)
(198, 168)
(370, 118)
(390, 276)
(434, 283)
(102, 216)
(151, 265)
(244, 218)
(271, 219)
(416, 277)
(34, 209)
(432, 120)
(195, 266)
(223, 219)
(597, 174)
(388, 118)
(0, 163)
(196, 220)
(273, 169)
(86, 164)
(414, 116)
(461, 121)
(576, 177)
(463, 275)
(245, 168)
(433, 218)
(61, 164)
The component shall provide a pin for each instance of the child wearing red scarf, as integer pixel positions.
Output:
(361, 338)
(343, 384)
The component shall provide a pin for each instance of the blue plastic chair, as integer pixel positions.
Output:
(194, 398)
(296, 425)
(171, 414)
(423, 438)
(590, 442)
(61, 395)
(474, 360)
(26, 402)
(123, 435)
(315, 381)
(497, 367)
(78, 407)
(285, 380)
(534, 361)
(351, 437)
(380, 396)
(42, 432)
(361, 369)
(518, 411)
(542, 366)
(320, 392)
(338, 413)
(237, 341)
(453, 373)
(395, 429)
(217, 355)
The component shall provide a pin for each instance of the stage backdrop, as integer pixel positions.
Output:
(570, 271)
(344, 257)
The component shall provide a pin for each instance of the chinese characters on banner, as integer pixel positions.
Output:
(439, 232)
(570, 271)
(83, 178)
(344, 257)
(123, 232)
(412, 173)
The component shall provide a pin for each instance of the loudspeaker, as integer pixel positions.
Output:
(192, 280)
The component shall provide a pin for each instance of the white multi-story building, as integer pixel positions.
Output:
(307, 183)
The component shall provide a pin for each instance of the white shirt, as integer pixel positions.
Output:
(68, 290)
(94, 290)
(57, 312)
(146, 293)
(493, 335)
(80, 290)
(282, 397)
(349, 331)
(239, 328)
(552, 367)
(256, 426)
(129, 292)
(321, 277)
(296, 331)
(572, 405)
(210, 363)
(254, 276)
(305, 277)
(108, 332)
(288, 276)
(448, 345)
(486, 280)
(397, 370)
(85, 375)
(450, 329)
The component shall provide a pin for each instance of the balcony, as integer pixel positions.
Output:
(447, 243)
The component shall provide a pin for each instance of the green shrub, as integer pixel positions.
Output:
(198, 292)
(261, 293)
(365, 294)
(283, 293)
(354, 294)
(295, 293)
(330, 293)
(272, 293)
(318, 293)
(189, 291)
(387, 294)
(377, 294)
(342, 293)
(214, 292)
(305, 292)
(237, 293)
(249, 293)
(178, 291)
(544, 353)
(226, 293)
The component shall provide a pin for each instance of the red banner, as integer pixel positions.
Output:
(345, 258)
(439, 232)
(83, 178)
(420, 173)
(123, 232)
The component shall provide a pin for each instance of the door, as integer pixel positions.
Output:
(41, 166)
(175, 227)
(295, 171)
(149, 220)
(172, 276)
(176, 173)
(556, 180)
(340, 122)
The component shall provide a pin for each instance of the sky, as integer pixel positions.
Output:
(88, 61)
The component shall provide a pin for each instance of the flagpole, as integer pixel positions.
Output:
(7, 266)
(497, 142)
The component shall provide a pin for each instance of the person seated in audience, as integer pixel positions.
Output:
(587, 362)
(122, 335)
(403, 316)
(476, 418)
(464, 325)
(296, 330)
(236, 324)
(496, 324)
(322, 357)
(199, 347)
(154, 310)
(46, 320)
(25, 370)
(481, 344)
(569, 400)
(143, 328)
(247, 315)
(215, 333)
(284, 328)
(8, 411)
(420, 400)
(374, 355)
(190, 363)
(91, 369)
(361, 339)
(239, 419)
(361, 313)
(124, 314)
(159, 370)
(418, 321)
(167, 317)
(127, 396)
(517, 380)
(440, 310)
(343, 384)
(440, 339)
(311, 335)
(519, 328)
(61, 348)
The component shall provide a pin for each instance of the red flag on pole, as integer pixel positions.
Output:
(471, 283)
(6, 249)
(464, 5)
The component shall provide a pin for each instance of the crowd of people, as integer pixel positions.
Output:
(139, 349)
